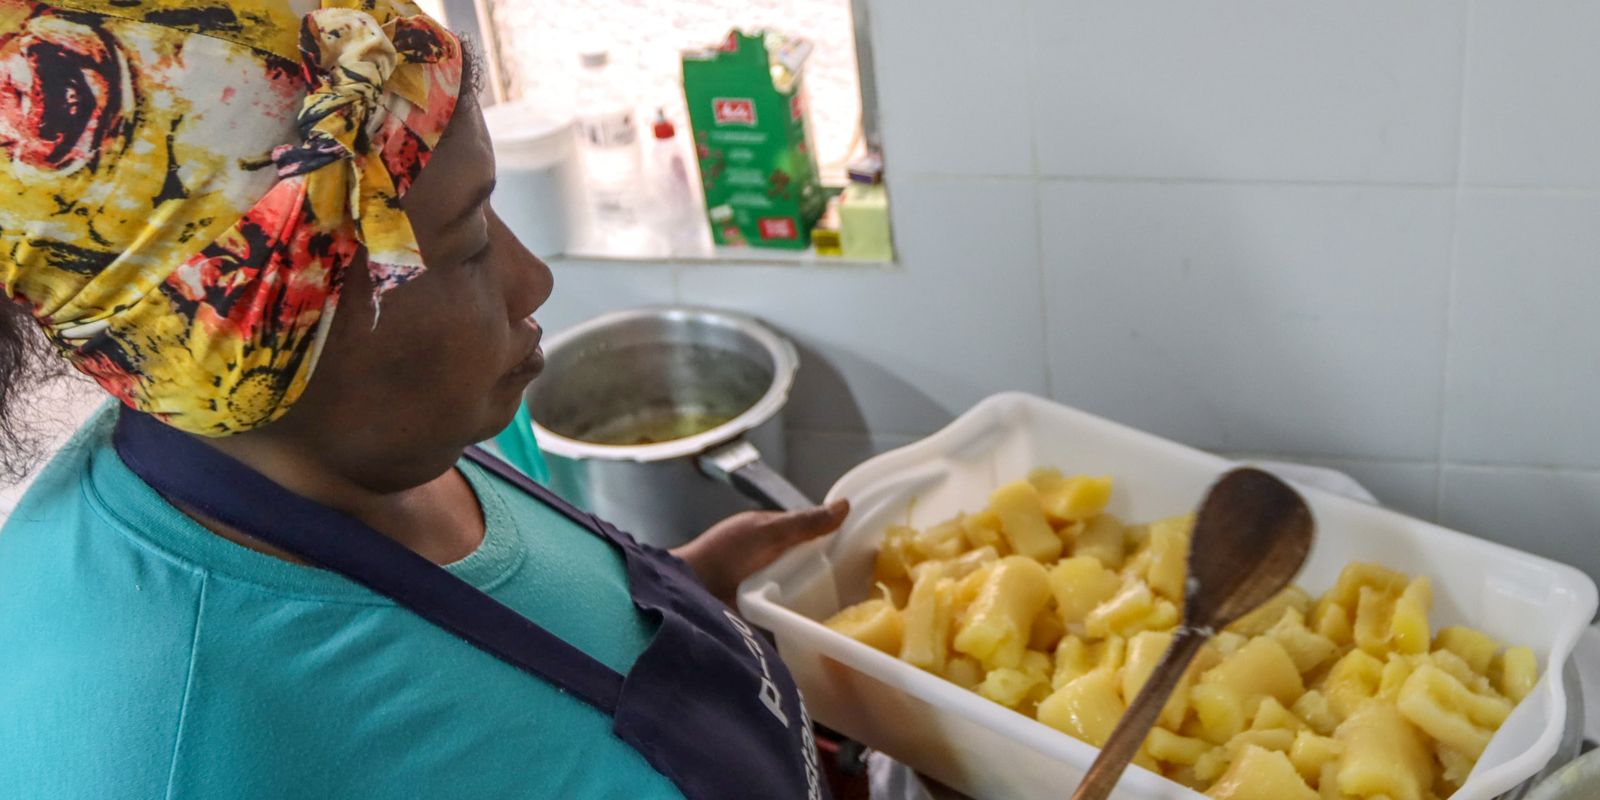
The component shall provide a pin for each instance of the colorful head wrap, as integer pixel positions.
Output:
(184, 183)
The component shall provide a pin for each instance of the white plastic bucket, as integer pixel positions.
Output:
(988, 751)
(539, 193)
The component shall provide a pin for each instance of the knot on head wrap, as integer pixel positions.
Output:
(347, 60)
(184, 182)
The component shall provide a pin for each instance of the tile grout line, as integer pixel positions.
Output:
(1452, 266)
(1031, 88)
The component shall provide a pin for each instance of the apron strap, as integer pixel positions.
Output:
(191, 472)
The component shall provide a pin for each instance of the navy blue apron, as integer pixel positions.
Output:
(707, 704)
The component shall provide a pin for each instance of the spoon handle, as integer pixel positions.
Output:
(1140, 716)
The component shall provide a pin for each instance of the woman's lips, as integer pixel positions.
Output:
(532, 363)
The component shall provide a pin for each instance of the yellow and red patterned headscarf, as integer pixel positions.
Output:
(184, 182)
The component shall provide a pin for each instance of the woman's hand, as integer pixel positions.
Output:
(735, 548)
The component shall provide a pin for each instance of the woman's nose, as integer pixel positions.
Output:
(529, 281)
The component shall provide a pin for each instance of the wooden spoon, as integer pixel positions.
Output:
(1250, 538)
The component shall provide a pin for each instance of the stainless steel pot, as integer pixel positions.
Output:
(664, 420)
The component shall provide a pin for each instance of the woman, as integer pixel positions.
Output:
(269, 572)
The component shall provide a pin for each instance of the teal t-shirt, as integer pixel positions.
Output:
(142, 656)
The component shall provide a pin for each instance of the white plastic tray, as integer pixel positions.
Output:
(990, 752)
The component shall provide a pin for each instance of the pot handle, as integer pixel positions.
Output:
(739, 464)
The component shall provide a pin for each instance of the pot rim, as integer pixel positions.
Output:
(785, 361)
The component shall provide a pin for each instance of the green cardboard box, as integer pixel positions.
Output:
(747, 107)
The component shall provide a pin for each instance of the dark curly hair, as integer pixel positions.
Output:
(26, 363)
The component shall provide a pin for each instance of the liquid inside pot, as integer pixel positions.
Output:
(654, 425)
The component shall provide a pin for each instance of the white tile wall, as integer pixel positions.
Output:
(1525, 352)
(586, 289)
(1532, 112)
(1248, 89)
(1552, 513)
(1278, 318)
(1250, 226)
(958, 71)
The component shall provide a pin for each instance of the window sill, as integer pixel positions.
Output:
(695, 248)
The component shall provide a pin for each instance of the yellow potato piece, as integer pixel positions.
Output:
(1023, 523)
(1131, 610)
(1313, 708)
(896, 556)
(1474, 646)
(1311, 752)
(1517, 674)
(964, 671)
(1102, 539)
(1047, 632)
(875, 623)
(942, 540)
(1271, 714)
(1169, 560)
(1259, 774)
(1306, 648)
(1276, 739)
(1087, 708)
(967, 589)
(1455, 765)
(965, 564)
(1000, 619)
(1077, 498)
(1220, 708)
(1460, 670)
(1359, 574)
(1046, 479)
(1079, 585)
(1271, 612)
(1076, 658)
(1167, 746)
(1395, 672)
(1262, 668)
(1439, 705)
(1383, 755)
(1008, 687)
(1135, 538)
(1332, 620)
(1209, 767)
(1226, 643)
(983, 530)
(1394, 624)
(1352, 681)
(927, 624)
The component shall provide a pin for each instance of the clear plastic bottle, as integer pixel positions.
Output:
(676, 215)
(609, 133)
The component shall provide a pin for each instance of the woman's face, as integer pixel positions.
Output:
(394, 404)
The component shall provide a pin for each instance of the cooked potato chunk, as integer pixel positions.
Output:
(1000, 619)
(1077, 498)
(1087, 708)
(1080, 584)
(1023, 523)
(1383, 755)
(875, 623)
(1102, 539)
(1259, 774)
